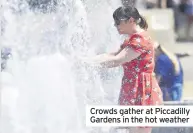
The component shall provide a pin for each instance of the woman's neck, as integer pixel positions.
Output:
(137, 30)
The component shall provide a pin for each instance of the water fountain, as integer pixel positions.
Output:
(45, 87)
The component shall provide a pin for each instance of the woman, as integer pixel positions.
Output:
(136, 55)
(169, 74)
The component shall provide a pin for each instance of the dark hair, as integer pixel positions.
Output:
(126, 12)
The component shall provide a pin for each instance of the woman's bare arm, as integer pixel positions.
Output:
(114, 59)
(125, 55)
(105, 56)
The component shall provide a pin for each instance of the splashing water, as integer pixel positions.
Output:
(45, 87)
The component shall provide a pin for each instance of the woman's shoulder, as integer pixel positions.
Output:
(137, 43)
(135, 36)
(142, 36)
(132, 40)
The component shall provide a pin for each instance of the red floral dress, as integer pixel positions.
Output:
(139, 85)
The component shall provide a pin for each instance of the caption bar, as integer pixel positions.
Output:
(129, 116)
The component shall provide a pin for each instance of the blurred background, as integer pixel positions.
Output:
(45, 87)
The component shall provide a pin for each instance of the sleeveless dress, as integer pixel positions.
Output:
(139, 84)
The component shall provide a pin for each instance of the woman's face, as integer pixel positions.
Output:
(125, 26)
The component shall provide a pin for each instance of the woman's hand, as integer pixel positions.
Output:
(109, 61)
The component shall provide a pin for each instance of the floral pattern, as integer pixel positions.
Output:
(139, 85)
